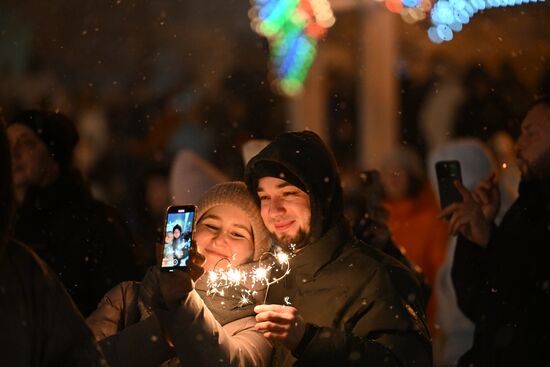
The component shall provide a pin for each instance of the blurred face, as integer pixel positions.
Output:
(177, 233)
(533, 145)
(225, 232)
(395, 181)
(157, 194)
(285, 210)
(31, 160)
(169, 237)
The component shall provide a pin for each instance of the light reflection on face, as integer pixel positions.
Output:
(285, 210)
(225, 232)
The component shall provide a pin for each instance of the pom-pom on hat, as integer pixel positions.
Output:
(235, 193)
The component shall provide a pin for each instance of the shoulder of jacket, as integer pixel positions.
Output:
(122, 294)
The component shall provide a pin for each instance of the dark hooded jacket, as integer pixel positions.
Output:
(82, 239)
(361, 306)
(40, 326)
(505, 287)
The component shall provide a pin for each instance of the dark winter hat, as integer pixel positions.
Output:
(276, 169)
(56, 130)
(306, 162)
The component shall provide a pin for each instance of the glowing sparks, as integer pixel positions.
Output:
(245, 281)
(282, 257)
(260, 274)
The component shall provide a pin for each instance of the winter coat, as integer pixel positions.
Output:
(505, 287)
(40, 324)
(361, 307)
(204, 332)
(83, 240)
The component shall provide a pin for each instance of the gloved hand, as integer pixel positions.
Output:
(176, 285)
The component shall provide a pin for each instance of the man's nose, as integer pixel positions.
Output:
(520, 143)
(276, 206)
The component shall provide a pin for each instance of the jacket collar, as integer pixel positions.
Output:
(315, 256)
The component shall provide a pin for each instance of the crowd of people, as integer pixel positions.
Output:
(384, 278)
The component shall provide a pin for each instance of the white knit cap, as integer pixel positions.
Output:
(235, 193)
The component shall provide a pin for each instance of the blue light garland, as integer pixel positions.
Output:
(449, 16)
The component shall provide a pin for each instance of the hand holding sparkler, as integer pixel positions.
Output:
(280, 323)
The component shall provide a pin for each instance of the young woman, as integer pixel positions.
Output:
(168, 319)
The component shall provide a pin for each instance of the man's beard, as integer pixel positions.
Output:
(539, 169)
(292, 243)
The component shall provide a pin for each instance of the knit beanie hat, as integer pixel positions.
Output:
(56, 130)
(235, 193)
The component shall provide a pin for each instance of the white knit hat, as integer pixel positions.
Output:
(235, 193)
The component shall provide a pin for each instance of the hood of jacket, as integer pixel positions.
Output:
(304, 160)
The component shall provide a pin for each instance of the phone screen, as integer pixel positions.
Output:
(448, 172)
(178, 234)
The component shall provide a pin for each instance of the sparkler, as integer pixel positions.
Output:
(247, 281)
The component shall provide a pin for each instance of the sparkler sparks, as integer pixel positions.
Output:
(246, 281)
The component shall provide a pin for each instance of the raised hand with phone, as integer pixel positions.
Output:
(165, 315)
(469, 213)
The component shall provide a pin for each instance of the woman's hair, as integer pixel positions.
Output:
(6, 186)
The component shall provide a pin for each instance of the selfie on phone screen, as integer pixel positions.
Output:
(178, 236)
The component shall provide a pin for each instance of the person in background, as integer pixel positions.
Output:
(41, 326)
(203, 330)
(147, 219)
(500, 273)
(82, 239)
(456, 331)
(413, 211)
(363, 206)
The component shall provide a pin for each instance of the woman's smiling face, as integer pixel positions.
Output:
(225, 231)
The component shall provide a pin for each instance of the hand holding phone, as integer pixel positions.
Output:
(178, 235)
(447, 173)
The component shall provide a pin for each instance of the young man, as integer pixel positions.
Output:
(501, 274)
(349, 303)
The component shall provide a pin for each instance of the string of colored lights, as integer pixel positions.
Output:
(447, 16)
(293, 28)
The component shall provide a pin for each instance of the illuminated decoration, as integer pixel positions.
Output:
(247, 282)
(293, 28)
(447, 16)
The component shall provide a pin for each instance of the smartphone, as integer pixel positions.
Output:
(179, 230)
(447, 172)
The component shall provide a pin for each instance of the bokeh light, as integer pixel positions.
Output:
(293, 28)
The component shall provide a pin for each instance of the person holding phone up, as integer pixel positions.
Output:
(501, 274)
(168, 319)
